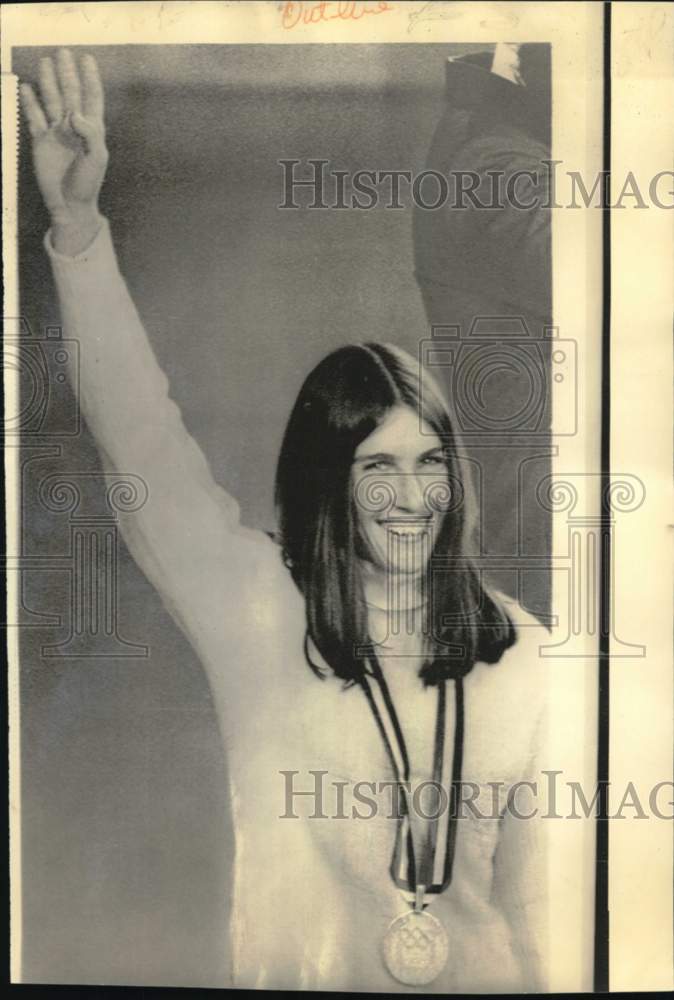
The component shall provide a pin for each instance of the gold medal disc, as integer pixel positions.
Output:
(415, 948)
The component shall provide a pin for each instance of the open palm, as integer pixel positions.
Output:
(68, 133)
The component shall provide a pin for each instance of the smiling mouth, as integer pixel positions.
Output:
(406, 527)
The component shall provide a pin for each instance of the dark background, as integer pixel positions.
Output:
(126, 830)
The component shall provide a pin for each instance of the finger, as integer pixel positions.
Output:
(51, 95)
(37, 123)
(69, 80)
(90, 132)
(92, 89)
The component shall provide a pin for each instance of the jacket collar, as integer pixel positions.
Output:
(471, 85)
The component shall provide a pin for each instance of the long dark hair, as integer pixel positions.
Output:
(341, 402)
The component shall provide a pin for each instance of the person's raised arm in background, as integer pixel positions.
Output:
(186, 538)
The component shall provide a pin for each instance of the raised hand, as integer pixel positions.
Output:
(66, 126)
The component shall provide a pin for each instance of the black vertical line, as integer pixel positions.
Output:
(601, 909)
(5, 961)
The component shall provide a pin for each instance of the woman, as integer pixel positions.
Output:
(362, 656)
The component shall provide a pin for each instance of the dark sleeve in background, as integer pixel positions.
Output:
(483, 265)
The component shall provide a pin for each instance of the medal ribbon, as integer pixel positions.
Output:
(407, 871)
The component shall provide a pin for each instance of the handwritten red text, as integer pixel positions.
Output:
(294, 13)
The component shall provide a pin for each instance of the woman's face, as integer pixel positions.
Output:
(401, 491)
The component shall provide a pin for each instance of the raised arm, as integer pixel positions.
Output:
(69, 152)
(186, 538)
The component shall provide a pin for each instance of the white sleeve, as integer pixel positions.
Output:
(186, 537)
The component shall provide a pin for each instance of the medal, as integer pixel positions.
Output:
(415, 947)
